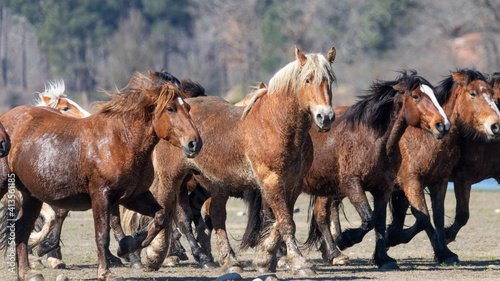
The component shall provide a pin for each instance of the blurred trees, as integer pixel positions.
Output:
(229, 46)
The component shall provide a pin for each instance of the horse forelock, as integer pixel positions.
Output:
(53, 90)
(292, 74)
(133, 99)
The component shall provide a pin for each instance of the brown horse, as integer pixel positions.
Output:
(268, 149)
(467, 99)
(54, 97)
(361, 153)
(479, 160)
(95, 162)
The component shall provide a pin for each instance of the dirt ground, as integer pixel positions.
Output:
(477, 245)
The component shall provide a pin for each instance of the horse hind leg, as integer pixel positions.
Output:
(399, 205)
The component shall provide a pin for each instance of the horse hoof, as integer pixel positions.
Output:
(208, 265)
(341, 260)
(136, 265)
(283, 263)
(35, 277)
(55, 263)
(114, 261)
(172, 261)
(453, 261)
(263, 270)
(306, 272)
(390, 266)
(235, 269)
(125, 246)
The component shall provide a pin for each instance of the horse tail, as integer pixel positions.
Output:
(251, 237)
(314, 237)
(4, 231)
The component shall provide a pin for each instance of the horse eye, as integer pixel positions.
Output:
(171, 109)
(473, 94)
(415, 97)
(65, 108)
(308, 81)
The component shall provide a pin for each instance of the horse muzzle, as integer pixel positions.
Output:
(192, 148)
(324, 117)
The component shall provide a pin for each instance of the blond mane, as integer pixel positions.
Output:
(53, 90)
(134, 100)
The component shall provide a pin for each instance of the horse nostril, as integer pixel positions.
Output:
(192, 146)
(320, 117)
(495, 128)
(439, 127)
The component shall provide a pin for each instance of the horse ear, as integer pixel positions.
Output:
(331, 55)
(460, 78)
(151, 94)
(300, 57)
(401, 87)
(262, 85)
(153, 75)
(45, 99)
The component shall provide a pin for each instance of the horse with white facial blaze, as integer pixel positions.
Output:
(360, 153)
(467, 99)
(479, 160)
(95, 162)
(268, 150)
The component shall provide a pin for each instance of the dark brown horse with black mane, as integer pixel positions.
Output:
(467, 99)
(263, 147)
(96, 162)
(361, 153)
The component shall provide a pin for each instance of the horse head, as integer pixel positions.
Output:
(422, 109)
(4, 142)
(171, 120)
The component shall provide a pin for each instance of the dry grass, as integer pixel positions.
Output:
(478, 246)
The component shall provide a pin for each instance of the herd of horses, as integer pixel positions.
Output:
(160, 149)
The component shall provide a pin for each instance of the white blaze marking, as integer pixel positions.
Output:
(428, 91)
(481, 88)
(181, 102)
(85, 113)
(491, 103)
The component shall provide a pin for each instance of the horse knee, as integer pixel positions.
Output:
(160, 217)
(462, 219)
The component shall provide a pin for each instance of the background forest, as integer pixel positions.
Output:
(229, 46)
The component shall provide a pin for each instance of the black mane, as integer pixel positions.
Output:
(168, 77)
(447, 85)
(495, 79)
(374, 108)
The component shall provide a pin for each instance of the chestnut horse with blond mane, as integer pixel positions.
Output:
(95, 162)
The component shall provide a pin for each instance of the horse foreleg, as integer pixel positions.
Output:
(227, 257)
(441, 250)
(23, 227)
(146, 204)
(381, 258)
(115, 223)
(358, 199)
(197, 198)
(183, 221)
(399, 206)
(414, 193)
(462, 195)
(323, 216)
(101, 210)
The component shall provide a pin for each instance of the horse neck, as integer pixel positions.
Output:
(454, 116)
(135, 133)
(283, 112)
(398, 127)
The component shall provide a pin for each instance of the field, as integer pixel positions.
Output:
(477, 245)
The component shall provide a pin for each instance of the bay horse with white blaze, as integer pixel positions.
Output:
(95, 162)
(267, 149)
(467, 99)
(361, 154)
(479, 160)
